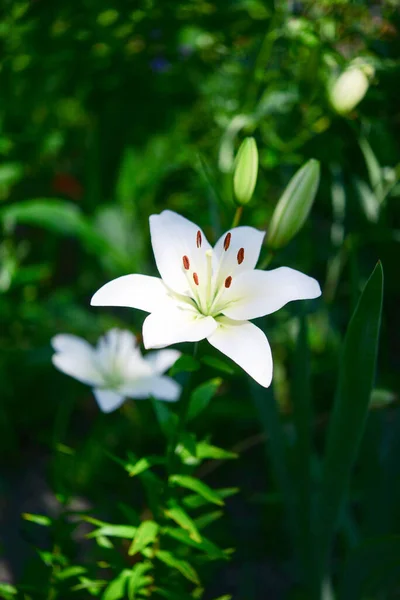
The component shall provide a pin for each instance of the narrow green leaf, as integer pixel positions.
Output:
(116, 589)
(143, 464)
(180, 516)
(61, 217)
(8, 591)
(167, 420)
(191, 483)
(139, 579)
(180, 565)
(196, 501)
(271, 423)
(219, 364)
(146, 534)
(208, 518)
(168, 595)
(202, 395)
(38, 519)
(73, 571)
(205, 450)
(372, 569)
(212, 551)
(301, 455)
(356, 376)
(120, 531)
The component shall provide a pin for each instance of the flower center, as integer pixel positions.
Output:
(206, 284)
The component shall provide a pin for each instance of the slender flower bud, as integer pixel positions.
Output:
(246, 169)
(350, 88)
(294, 205)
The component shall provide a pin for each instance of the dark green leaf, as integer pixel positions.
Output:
(185, 364)
(202, 395)
(180, 565)
(356, 377)
(219, 364)
(196, 501)
(372, 569)
(212, 551)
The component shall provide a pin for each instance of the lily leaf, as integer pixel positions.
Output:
(201, 396)
(145, 535)
(356, 377)
(191, 483)
(179, 515)
(180, 565)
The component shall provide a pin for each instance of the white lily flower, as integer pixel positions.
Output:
(209, 293)
(115, 368)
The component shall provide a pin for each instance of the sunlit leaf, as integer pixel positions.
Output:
(191, 483)
(145, 534)
(180, 516)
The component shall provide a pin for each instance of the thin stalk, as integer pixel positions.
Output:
(267, 260)
(182, 418)
(237, 217)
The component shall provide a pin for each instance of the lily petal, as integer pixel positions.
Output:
(162, 360)
(164, 328)
(247, 346)
(161, 387)
(172, 238)
(75, 357)
(133, 291)
(259, 293)
(108, 400)
(237, 253)
(165, 388)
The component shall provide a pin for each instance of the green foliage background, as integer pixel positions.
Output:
(110, 112)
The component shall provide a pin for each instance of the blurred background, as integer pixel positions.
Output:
(110, 112)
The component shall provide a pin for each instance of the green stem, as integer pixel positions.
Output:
(267, 260)
(237, 217)
(180, 426)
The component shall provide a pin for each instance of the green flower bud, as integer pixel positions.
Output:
(350, 88)
(294, 205)
(246, 169)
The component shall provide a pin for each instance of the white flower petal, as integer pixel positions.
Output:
(108, 400)
(66, 342)
(241, 255)
(79, 364)
(172, 238)
(133, 291)
(160, 361)
(161, 387)
(258, 293)
(165, 388)
(164, 328)
(247, 346)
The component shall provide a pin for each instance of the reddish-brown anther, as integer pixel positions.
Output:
(228, 281)
(240, 256)
(196, 278)
(198, 239)
(227, 241)
(186, 262)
